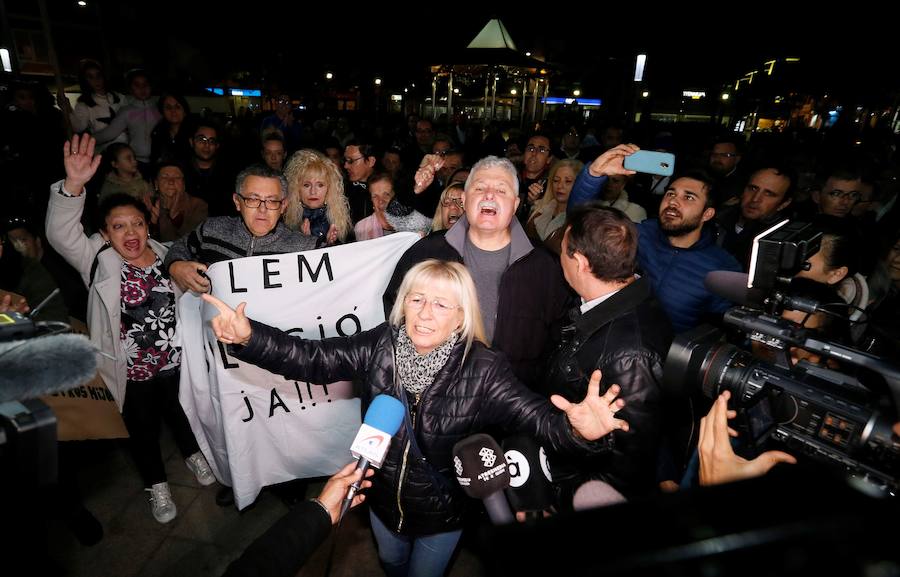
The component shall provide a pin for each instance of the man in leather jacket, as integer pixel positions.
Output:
(620, 329)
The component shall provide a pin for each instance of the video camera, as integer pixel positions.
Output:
(806, 409)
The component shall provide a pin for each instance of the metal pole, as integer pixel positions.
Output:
(54, 62)
(493, 96)
(544, 103)
(534, 103)
(522, 106)
(484, 108)
(434, 97)
(450, 96)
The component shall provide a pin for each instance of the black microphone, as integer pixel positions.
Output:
(530, 482)
(40, 366)
(382, 421)
(481, 472)
(733, 286)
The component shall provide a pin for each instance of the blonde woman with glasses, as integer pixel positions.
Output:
(432, 356)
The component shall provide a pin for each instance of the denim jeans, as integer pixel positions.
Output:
(402, 555)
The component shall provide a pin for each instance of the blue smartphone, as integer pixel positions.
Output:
(652, 162)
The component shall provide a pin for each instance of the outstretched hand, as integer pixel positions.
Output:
(231, 326)
(593, 417)
(718, 461)
(80, 162)
(611, 161)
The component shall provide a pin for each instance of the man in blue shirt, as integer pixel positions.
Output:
(675, 251)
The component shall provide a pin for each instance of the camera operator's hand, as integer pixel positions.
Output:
(718, 462)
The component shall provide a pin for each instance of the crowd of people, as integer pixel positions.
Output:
(548, 275)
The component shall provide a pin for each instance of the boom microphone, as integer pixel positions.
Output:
(382, 421)
(530, 488)
(733, 286)
(43, 365)
(481, 472)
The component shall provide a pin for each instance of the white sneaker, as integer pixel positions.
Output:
(201, 469)
(161, 503)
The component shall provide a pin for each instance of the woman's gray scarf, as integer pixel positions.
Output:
(417, 371)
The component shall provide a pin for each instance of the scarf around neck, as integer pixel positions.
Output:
(417, 371)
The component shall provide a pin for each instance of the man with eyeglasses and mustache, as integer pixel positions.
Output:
(257, 231)
(521, 290)
(206, 177)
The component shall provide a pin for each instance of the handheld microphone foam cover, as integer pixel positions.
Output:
(405, 219)
(481, 472)
(385, 414)
(595, 494)
(733, 286)
(45, 365)
(530, 487)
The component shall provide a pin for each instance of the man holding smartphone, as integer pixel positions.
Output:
(533, 178)
(675, 250)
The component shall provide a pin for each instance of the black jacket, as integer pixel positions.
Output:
(420, 496)
(533, 296)
(627, 337)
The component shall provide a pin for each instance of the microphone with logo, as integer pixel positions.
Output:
(530, 483)
(382, 421)
(481, 472)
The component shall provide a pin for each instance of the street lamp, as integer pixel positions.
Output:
(329, 76)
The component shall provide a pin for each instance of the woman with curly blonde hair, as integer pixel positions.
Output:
(316, 204)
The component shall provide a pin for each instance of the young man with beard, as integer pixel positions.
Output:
(675, 251)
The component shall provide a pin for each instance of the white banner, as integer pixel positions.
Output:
(256, 428)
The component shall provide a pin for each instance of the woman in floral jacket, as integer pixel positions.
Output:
(131, 317)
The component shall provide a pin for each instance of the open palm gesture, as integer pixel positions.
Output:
(593, 417)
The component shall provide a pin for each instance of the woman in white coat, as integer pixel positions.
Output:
(131, 317)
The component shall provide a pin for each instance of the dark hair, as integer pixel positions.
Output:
(606, 237)
(178, 98)
(841, 243)
(87, 93)
(272, 136)
(165, 164)
(206, 123)
(736, 141)
(262, 171)
(367, 150)
(842, 173)
(135, 73)
(708, 183)
(115, 149)
(14, 222)
(114, 201)
(780, 169)
(378, 176)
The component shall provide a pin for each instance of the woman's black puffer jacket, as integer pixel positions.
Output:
(411, 496)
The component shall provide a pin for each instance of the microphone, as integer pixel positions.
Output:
(594, 494)
(481, 472)
(530, 482)
(382, 421)
(733, 286)
(44, 365)
(406, 219)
